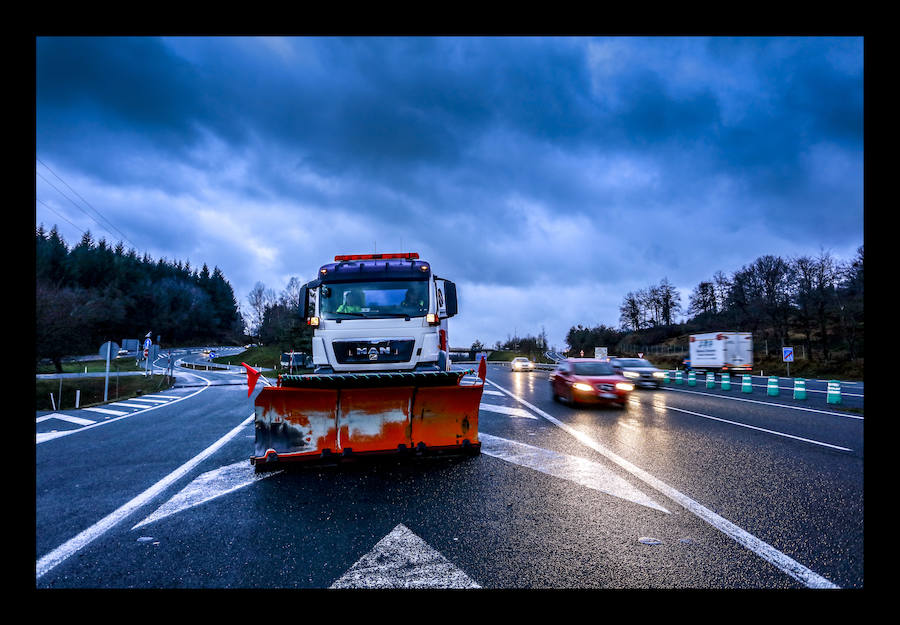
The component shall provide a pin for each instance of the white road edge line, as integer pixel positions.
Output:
(71, 546)
(764, 550)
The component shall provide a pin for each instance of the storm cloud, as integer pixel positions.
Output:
(546, 176)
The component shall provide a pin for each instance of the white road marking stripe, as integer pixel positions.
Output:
(73, 545)
(513, 412)
(118, 413)
(403, 560)
(783, 562)
(151, 400)
(44, 439)
(168, 396)
(579, 470)
(767, 403)
(753, 427)
(490, 392)
(120, 403)
(208, 486)
(64, 417)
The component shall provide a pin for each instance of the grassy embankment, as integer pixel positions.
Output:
(121, 387)
(265, 359)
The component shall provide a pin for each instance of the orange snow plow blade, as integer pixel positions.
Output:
(316, 417)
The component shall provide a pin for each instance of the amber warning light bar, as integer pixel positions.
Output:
(408, 255)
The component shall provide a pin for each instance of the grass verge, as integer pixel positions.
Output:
(123, 387)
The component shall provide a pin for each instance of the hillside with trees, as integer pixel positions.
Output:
(812, 303)
(94, 292)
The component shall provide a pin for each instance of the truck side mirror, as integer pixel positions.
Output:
(450, 298)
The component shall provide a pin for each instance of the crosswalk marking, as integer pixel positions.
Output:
(151, 400)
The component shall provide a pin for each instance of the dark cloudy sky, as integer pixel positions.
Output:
(546, 176)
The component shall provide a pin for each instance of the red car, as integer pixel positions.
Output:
(589, 380)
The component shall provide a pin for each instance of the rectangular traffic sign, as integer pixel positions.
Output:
(787, 354)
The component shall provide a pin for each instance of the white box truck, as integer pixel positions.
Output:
(723, 351)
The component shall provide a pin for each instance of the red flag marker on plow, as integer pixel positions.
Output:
(252, 377)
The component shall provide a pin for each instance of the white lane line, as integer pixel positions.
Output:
(490, 392)
(766, 403)
(73, 545)
(64, 417)
(764, 550)
(209, 486)
(117, 413)
(403, 560)
(46, 437)
(513, 412)
(582, 471)
(753, 427)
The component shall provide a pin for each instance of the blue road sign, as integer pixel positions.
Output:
(787, 354)
(147, 343)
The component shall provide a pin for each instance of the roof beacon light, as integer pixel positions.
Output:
(406, 255)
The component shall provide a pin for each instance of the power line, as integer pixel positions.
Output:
(83, 200)
(61, 217)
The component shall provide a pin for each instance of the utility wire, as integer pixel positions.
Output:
(61, 217)
(85, 201)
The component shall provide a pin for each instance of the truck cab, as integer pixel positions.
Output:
(379, 312)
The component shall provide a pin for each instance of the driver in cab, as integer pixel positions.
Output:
(353, 303)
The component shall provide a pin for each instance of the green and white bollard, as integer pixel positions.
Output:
(710, 379)
(726, 381)
(692, 378)
(799, 388)
(678, 379)
(746, 384)
(772, 388)
(834, 392)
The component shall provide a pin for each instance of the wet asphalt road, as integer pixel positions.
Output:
(685, 488)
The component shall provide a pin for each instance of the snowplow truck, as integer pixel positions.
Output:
(382, 381)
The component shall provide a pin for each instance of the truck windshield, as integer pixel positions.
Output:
(399, 298)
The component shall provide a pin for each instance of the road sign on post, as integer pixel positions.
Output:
(787, 355)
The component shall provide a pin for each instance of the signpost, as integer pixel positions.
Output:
(106, 350)
(147, 343)
(787, 355)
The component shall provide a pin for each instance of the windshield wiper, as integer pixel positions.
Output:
(347, 312)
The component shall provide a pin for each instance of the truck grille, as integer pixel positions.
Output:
(373, 352)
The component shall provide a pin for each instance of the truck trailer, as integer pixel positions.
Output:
(721, 351)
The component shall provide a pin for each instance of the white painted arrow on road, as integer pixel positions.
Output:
(403, 560)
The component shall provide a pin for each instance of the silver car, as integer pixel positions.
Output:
(521, 364)
(640, 372)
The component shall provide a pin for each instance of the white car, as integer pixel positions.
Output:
(521, 364)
